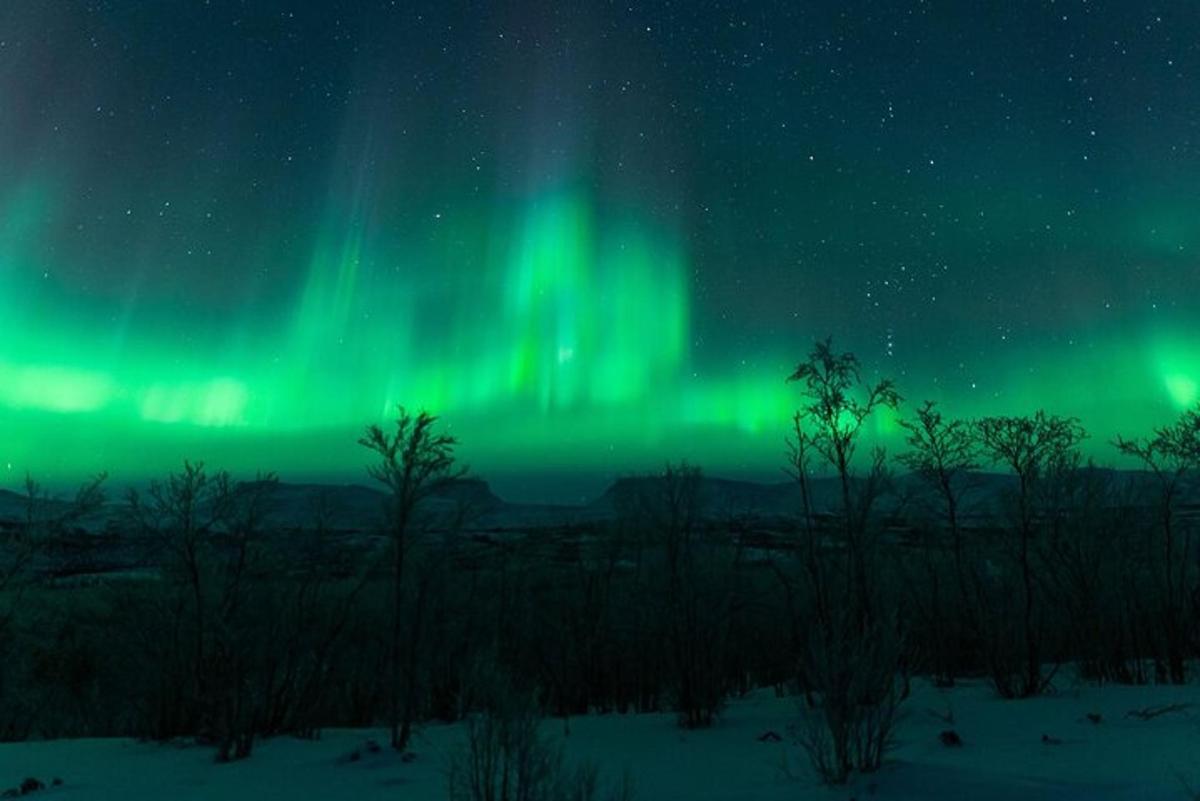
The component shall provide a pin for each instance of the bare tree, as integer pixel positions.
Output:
(413, 460)
(209, 529)
(316, 608)
(45, 518)
(942, 453)
(1032, 447)
(1095, 577)
(838, 402)
(45, 515)
(696, 623)
(181, 514)
(241, 639)
(851, 658)
(799, 467)
(1172, 455)
(695, 588)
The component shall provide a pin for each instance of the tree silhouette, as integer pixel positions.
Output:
(1172, 455)
(942, 453)
(414, 460)
(1032, 447)
(838, 403)
(181, 514)
(697, 604)
(44, 519)
(852, 655)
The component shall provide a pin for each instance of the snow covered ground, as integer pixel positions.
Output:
(1003, 756)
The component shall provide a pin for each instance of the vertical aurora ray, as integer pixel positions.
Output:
(594, 319)
(333, 341)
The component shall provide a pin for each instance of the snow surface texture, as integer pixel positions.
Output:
(1003, 756)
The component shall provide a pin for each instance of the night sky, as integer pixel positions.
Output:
(592, 236)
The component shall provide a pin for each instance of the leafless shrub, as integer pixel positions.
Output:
(506, 757)
(858, 700)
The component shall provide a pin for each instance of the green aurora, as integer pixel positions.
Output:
(565, 317)
(570, 348)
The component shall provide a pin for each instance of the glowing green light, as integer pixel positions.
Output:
(54, 388)
(221, 402)
(1182, 389)
(1178, 362)
(554, 331)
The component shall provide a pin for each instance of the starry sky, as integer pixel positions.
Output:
(592, 236)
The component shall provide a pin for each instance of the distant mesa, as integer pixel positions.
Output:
(355, 507)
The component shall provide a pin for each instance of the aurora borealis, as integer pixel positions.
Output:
(592, 237)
